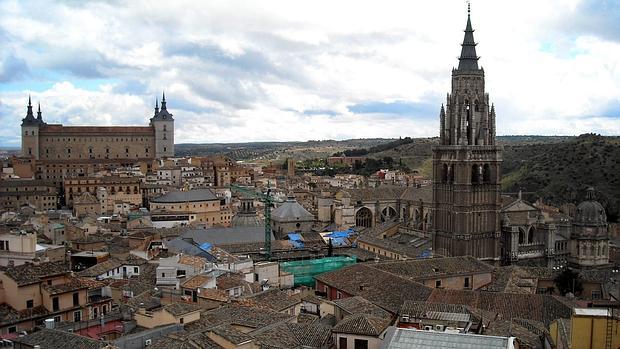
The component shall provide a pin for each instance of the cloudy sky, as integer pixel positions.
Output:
(237, 71)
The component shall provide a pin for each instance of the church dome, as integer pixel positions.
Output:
(291, 211)
(590, 212)
(245, 220)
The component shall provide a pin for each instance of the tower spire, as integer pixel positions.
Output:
(156, 106)
(29, 114)
(163, 100)
(39, 114)
(468, 59)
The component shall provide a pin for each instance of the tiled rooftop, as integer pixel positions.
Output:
(239, 315)
(542, 308)
(430, 268)
(9, 316)
(231, 334)
(275, 299)
(196, 281)
(54, 339)
(74, 284)
(295, 335)
(384, 289)
(26, 274)
(359, 305)
(362, 324)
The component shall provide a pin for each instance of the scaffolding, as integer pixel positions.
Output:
(304, 271)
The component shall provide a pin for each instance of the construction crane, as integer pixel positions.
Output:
(267, 199)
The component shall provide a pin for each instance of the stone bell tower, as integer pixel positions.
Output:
(467, 165)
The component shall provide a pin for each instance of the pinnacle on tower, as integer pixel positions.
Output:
(29, 114)
(156, 106)
(39, 114)
(163, 100)
(468, 59)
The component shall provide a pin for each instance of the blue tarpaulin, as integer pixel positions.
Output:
(294, 236)
(205, 246)
(296, 240)
(340, 234)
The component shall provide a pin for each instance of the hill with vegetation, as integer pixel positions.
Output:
(559, 172)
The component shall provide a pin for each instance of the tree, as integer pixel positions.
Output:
(569, 281)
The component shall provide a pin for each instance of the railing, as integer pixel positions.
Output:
(69, 326)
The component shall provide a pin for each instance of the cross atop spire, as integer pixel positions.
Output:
(468, 59)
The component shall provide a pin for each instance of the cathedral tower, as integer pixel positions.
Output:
(467, 165)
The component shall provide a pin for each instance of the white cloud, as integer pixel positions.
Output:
(246, 70)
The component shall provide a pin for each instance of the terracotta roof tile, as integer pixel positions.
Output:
(362, 324)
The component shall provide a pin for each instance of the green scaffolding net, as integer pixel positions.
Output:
(305, 270)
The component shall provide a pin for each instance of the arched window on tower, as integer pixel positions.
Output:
(451, 174)
(476, 105)
(444, 173)
(521, 236)
(530, 235)
(486, 173)
(475, 174)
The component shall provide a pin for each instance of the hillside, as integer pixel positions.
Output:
(276, 151)
(560, 172)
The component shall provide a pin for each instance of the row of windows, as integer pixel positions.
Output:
(26, 189)
(90, 150)
(111, 188)
(90, 140)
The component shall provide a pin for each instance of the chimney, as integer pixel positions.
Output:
(141, 308)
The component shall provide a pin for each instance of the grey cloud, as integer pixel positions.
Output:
(13, 68)
(594, 17)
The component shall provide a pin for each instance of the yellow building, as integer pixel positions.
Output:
(588, 328)
(175, 313)
(198, 206)
(31, 293)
